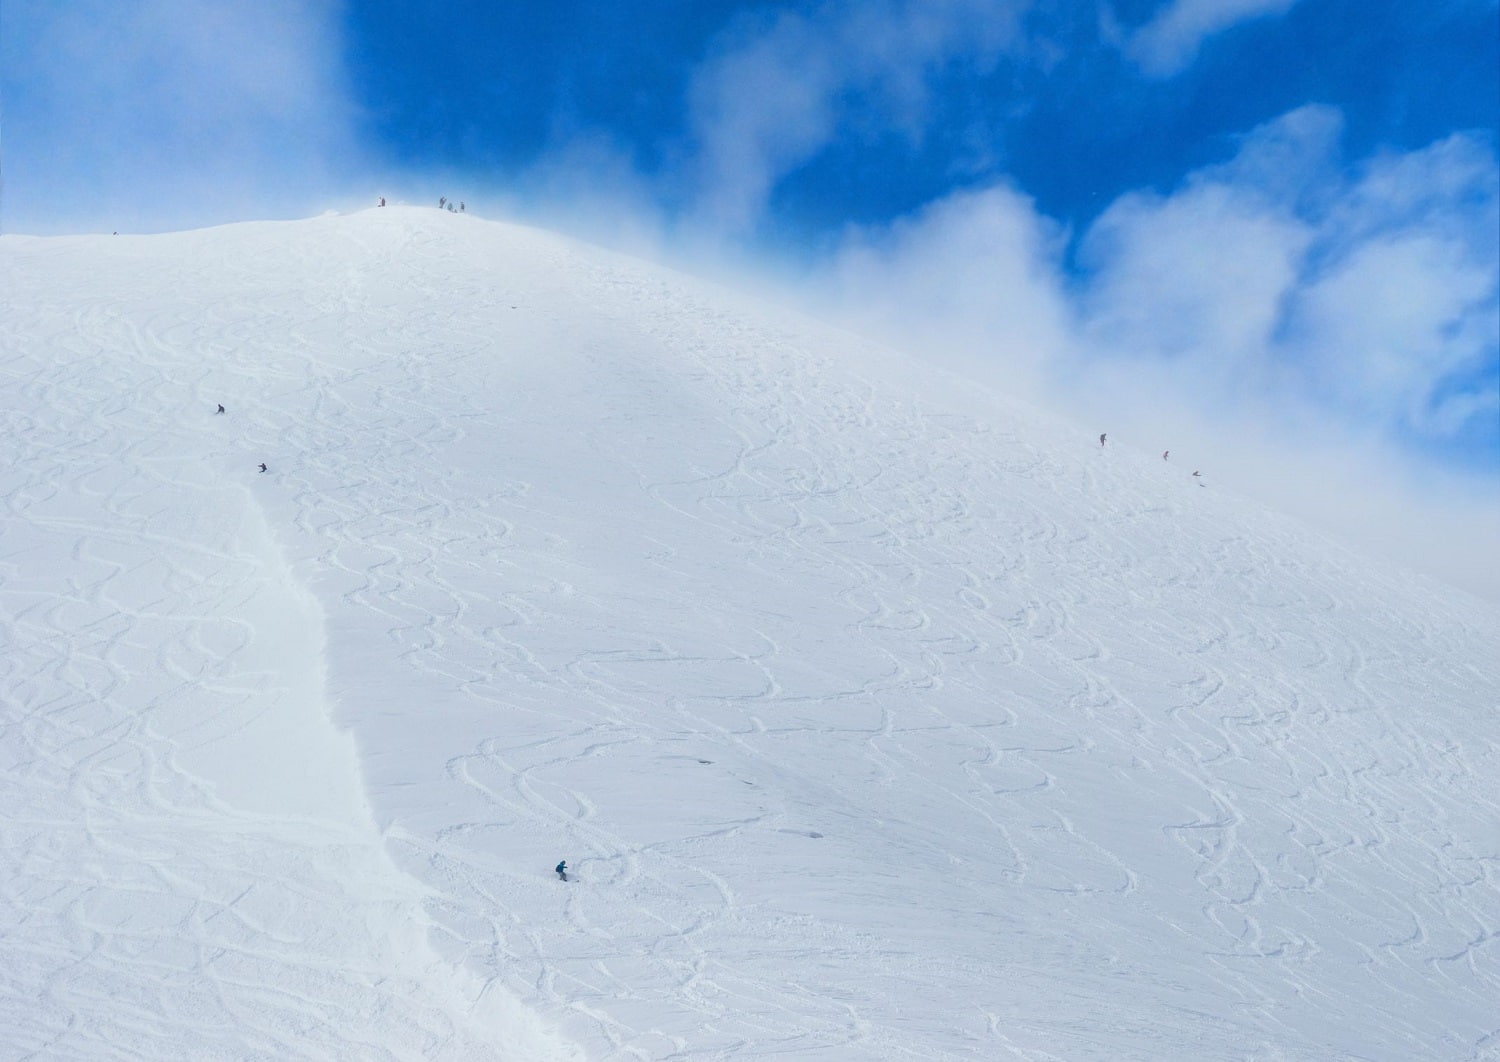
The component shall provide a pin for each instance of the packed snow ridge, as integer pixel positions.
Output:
(877, 717)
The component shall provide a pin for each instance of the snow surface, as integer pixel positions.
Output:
(879, 717)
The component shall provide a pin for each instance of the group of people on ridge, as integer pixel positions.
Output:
(456, 207)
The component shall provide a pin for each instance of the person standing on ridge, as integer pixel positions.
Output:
(562, 870)
(1102, 437)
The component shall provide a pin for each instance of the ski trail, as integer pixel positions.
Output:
(877, 718)
(190, 869)
(679, 767)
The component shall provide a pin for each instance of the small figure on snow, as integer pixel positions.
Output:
(562, 870)
(219, 410)
(442, 201)
(262, 466)
(382, 200)
(1164, 454)
(460, 206)
(1102, 437)
(1196, 473)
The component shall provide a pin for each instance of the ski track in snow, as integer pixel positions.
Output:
(876, 719)
(189, 867)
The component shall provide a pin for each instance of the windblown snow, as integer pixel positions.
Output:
(877, 717)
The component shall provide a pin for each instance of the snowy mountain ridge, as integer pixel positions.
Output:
(878, 717)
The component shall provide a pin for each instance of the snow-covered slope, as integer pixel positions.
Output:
(878, 717)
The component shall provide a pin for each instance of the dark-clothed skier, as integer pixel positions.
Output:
(262, 466)
(562, 870)
(1102, 437)
(219, 410)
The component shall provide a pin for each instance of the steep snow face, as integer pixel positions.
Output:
(877, 717)
(189, 868)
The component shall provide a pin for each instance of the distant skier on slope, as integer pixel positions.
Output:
(1102, 437)
(262, 466)
(219, 410)
(1164, 454)
(562, 870)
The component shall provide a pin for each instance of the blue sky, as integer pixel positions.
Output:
(1266, 221)
(1061, 104)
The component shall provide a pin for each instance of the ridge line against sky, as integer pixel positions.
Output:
(1256, 225)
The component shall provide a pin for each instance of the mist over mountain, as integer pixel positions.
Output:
(876, 715)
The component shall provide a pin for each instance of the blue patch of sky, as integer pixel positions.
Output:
(1475, 449)
(482, 87)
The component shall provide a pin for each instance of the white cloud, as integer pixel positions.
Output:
(758, 111)
(1399, 315)
(1395, 321)
(1451, 188)
(1273, 276)
(778, 91)
(163, 113)
(1292, 323)
(973, 275)
(1375, 295)
(1169, 42)
(1198, 276)
(1293, 160)
(1283, 320)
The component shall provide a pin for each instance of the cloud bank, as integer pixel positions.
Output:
(1304, 326)
(1371, 289)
